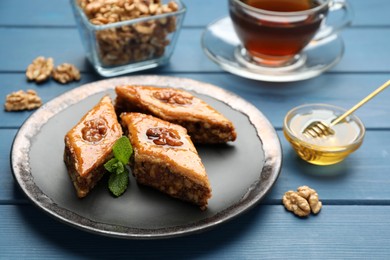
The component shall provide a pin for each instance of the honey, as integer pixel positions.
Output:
(348, 134)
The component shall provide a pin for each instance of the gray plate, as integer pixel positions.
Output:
(240, 173)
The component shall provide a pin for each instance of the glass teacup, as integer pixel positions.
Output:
(273, 33)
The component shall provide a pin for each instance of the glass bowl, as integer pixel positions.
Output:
(130, 45)
(347, 138)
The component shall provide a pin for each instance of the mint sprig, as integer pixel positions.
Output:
(119, 178)
(122, 150)
(117, 183)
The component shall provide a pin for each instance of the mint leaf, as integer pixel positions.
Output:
(117, 183)
(111, 165)
(119, 178)
(114, 166)
(123, 150)
(119, 168)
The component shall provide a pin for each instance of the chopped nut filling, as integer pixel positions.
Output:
(160, 177)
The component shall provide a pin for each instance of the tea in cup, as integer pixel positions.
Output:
(273, 33)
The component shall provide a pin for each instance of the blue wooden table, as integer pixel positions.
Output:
(355, 219)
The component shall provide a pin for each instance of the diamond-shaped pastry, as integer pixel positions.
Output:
(203, 123)
(166, 159)
(88, 145)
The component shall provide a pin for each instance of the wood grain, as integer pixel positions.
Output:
(337, 232)
(58, 13)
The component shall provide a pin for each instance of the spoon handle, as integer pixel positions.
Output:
(358, 105)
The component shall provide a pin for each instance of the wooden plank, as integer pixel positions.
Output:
(359, 179)
(8, 187)
(23, 45)
(273, 99)
(370, 13)
(36, 13)
(366, 13)
(344, 183)
(58, 13)
(373, 42)
(338, 232)
(64, 45)
(11, 82)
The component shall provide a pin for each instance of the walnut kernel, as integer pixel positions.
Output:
(66, 73)
(172, 97)
(295, 203)
(40, 69)
(302, 202)
(21, 100)
(312, 197)
(94, 130)
(164, 136)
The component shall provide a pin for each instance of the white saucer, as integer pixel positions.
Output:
(220, 43)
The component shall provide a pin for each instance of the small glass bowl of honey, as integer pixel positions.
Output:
(325, 150)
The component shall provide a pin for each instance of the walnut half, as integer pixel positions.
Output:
(302, 202)
(312, 197)
(164, 136)
(66, 73)
(295, 203)
(40, 69)
(21, 100)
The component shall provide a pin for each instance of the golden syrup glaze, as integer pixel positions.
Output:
(88, 155)
(184, 159)
(193, 108)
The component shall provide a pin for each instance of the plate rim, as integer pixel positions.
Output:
(265, 132)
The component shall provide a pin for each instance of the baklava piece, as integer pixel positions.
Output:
(203, 123)
(88, 145)
(165, 158)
